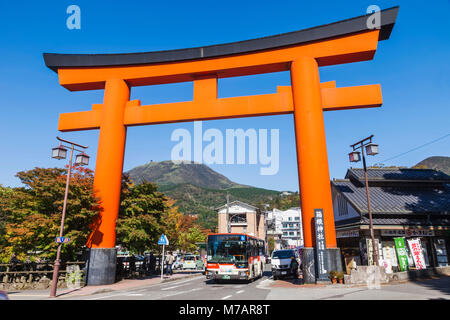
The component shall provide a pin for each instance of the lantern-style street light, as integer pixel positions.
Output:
(371, 149)
(60, 152)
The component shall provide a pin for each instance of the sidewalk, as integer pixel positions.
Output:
(89, 290)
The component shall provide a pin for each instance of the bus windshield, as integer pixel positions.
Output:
(227, 248)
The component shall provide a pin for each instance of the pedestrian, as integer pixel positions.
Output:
(13, 261)
(132, 265)
(169, 261)
(152, 263)
(294, 268)
(28, 266)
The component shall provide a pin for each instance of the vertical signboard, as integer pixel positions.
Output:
(416, 250)
(401, 253)
(321, 254)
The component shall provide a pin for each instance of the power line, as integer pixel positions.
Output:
(414, 149)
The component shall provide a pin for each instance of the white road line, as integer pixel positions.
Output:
(226, 297)
(177, 293)
(168, 288)
(240, 291)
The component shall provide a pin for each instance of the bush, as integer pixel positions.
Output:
(332, 274)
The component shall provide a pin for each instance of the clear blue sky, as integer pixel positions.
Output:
(412, 68)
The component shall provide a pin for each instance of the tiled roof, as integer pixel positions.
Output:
(398, 174)
(407, 221)
(396, 199)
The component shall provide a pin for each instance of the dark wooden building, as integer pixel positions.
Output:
(410, 203)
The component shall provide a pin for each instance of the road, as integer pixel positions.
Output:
(196, 288)
(200, 289)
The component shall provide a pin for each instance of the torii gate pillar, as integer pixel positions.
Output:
(312, 161)
(107, 182)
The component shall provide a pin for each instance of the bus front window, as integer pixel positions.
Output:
(222, 249)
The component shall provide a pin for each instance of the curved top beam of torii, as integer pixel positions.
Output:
(80, 71)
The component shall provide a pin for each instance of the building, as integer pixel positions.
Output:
(285, 227)
(410, 203)
(242, 218)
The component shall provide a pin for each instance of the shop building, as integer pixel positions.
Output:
(242, 217)
(409, 203)
(285, 226)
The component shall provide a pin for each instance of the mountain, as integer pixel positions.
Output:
(171, 173)
(436, 162)
(197, 189)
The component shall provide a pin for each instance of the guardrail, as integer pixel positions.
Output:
(21, 276)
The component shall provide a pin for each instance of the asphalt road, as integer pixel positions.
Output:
(196, 288)
(199, 288)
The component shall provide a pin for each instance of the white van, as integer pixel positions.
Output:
(281, 262)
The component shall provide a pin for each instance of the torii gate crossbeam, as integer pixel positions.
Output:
(302, 52)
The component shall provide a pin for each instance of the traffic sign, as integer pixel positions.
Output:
(62, 239)
(163, 240)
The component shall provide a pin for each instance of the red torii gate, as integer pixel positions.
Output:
(301, 52)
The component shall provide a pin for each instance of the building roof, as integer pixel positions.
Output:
(239, 203)
(398, 174)
(341, 28)
(396, 199)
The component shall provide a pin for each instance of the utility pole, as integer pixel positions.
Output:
(372, 149)
(228, 222)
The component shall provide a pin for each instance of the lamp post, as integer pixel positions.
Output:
(60, 152)
(354, 156)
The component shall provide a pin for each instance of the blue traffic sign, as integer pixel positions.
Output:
(163, 240)
(62, 239)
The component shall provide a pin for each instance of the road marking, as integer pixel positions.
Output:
(177, 293)
(134, 294)
(168, 288)
(224, 298)
(240, 291)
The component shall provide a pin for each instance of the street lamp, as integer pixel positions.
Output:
(371, 149)
(60, 152)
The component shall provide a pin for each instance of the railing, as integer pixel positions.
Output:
(21, 276)
(35, 275)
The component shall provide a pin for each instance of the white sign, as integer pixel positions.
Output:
(408, 233)
(416, 251)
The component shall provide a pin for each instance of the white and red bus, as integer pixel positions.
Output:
(234, 256)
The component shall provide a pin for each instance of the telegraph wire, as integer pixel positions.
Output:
(414, 149)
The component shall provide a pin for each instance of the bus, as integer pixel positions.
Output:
(234, 256)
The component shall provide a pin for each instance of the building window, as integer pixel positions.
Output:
(342, 206)
(297, 218)
(291, 233)
(290, 218)
(241, 218)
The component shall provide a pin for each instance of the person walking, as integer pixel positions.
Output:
(294, 268)
(152, 263)
(169, 262)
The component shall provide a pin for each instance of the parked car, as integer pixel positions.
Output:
(194, 262)
(178, 263)
(281, 262)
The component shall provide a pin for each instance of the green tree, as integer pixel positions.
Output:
(140, 221)
(33, 213)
